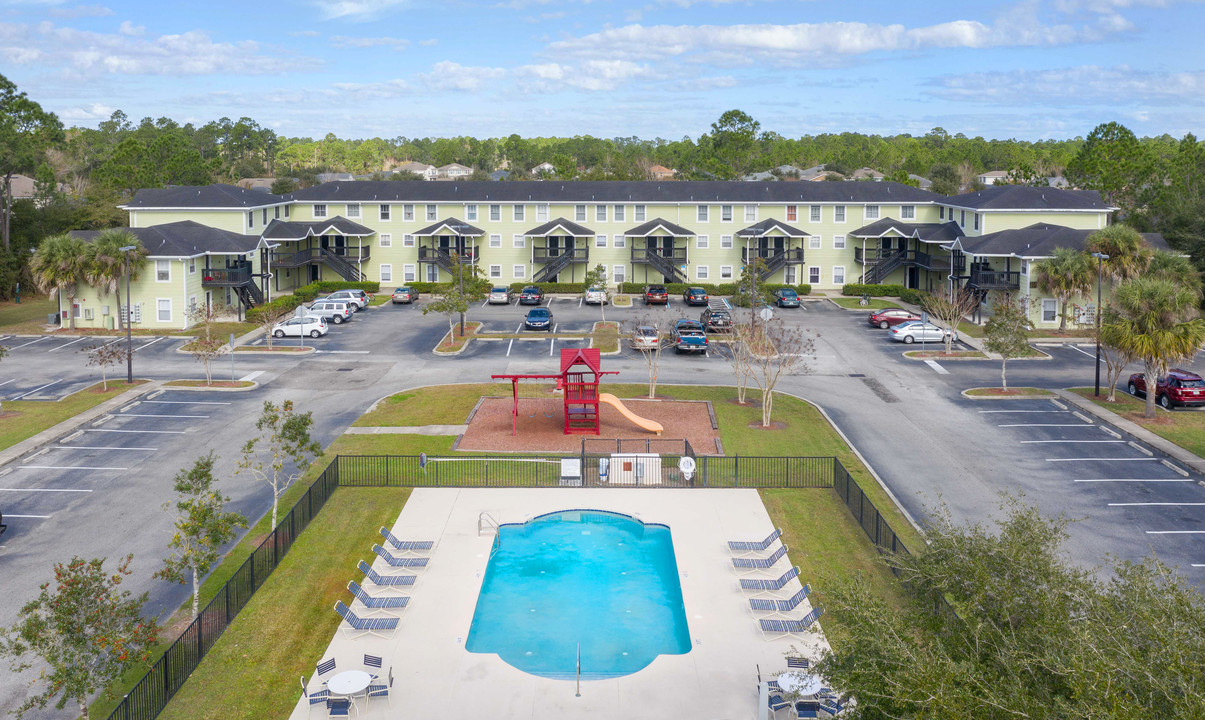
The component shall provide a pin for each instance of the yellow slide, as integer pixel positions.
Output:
(650, 425)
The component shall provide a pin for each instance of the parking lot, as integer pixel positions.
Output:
(43, 368)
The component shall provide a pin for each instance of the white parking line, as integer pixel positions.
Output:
(155, 432)
(1171, 504)
(31, 517)
(251, 376)
(33, 490)
(1101, 459)
(98, 447)
(148, 344)
(1078, 425)
(510, 345)
(985, 412)
(1175, 532)
(8, 381)
(1048, 442)
(937, 367)
(186, 402)
(1137, 480)
(173, 417)
(31, 342)
(1072, 347)
(68, 467)
(31, 392)
(520, 328)
(60, 347)
(551, 345)
(555, 326)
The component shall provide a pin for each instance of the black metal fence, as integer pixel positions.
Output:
(864, 511)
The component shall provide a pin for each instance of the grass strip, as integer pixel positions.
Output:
(22, 419)
(1184, 428)
(874, 303)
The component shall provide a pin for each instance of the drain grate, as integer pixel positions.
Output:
(880, 390)
(344, 370)
(857, 375)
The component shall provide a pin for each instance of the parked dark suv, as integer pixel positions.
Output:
(716, 320)
(531, 295)
(1180, 387)
(656, 295)
(694, 296)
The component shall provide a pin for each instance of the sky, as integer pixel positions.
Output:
(1026, 69)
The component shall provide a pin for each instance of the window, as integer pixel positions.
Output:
(701, 213)
(838, 242)
(750, 213)
(907, 212)
(790, 275)
(839, 213)
(432, 212)
(276, 213)
(407, 241)
(319, 211)
(579, 212)
(353, 210)
(163, 271)
(792, 213)
(495, 271)
(638, 215)
(251, 219)
(702, 242)
(962, 218)
(976, 216)
(470, 212)
(600, 241)
(541, 213)
(600, 213)
(264, 218)
(726, 241)
(495, 213)
(872, 212)
(520, 213)
(287, 212)
(814, 242)
(701, 272)
(725, 272)
(518, 241)
(619, 213)
(495, 240)
(519, 272)
(1050, 310)
(408, 273)
(619, 241)
(386, 273)
(814, 214)
(385, 240)
(164, 306)
(813, 276)
(838, 274)
(1024, 267)
(941, 212)
(192, 266)
(432, 273)
(384, 212)
(619, 273)
(407, 212)
(725, 213)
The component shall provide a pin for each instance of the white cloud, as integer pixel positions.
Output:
(81, 11)
(1084, 85)
(429, 42)
(355, 9)
(448, 75)
(20, 55)
(591, 75)
(342, 41)
(86, 115)
(130, 29)
(305, 33)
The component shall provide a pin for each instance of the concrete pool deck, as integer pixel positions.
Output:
(434, 676)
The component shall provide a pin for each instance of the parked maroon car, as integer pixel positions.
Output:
(1180, 387)
(891, 316)
(656, 295)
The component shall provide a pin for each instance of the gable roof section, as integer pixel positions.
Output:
(453, 227)
(925, 232)
(338, 225)
(1038, 241)
(765, 227)
(217, 195)
(185, 238)
(1020, 197)
(652, 226)
(567, 226)
(590, 357)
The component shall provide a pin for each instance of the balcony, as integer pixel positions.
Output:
(995, 279)
(543, 256)
(227, 277)
(788, 256)
(677, 256)
(442, 255)
(293, 259)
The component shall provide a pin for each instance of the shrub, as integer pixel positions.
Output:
(284, 302)
(718, 290)
(916, 297)
(551, 287)
(872, 290)
(330, 286)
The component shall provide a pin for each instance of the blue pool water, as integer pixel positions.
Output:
(604, 580)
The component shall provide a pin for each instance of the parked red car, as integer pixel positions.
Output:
(1180, 387)
(656, 295)
(891, 316)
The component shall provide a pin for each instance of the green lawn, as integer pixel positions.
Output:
(22, 419)
(851, 303)
(380, 299)
(33, 309)
(1186, 429)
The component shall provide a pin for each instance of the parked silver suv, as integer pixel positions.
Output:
(358, 299)
(333, 311)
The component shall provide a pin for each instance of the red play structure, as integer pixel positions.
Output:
(580, 372)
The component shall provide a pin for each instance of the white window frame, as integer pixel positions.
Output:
(814, 213)
(386, 272)
(495, 212)
(838, 270)
(495, 272)
(702, 272)
(838, 242)
(1053, 304)
(726, 213)
(384, 213)
(600, 241)
(872, 212)
(432, 213)
(519, 213)
(408, 273)
(159, 309)
(619, 212)
(814, 270)
(276, 212)
(725, 242)
(790, 274)
(600, 213)
(839, 214)
(619, 273)
(962, 218)
(725, 272)
(638, 214)
(941, 212)
(251, 219)
(287, 211)
(432, 273)
(541, 213)
(354, 210)
(907, 212)
(192, 266)
(163, 264)
(264, 216)
(495, 240)
(518, 241)
(814, 242)
(579, 213)
(408, 213)
(787, 213)
(385, 240)
(519, 272)
(750, 213)
(702, 212)
(319, 210)
(976, 216)
(702, 242)
(407, 241)
(470, 212)
(619, 241)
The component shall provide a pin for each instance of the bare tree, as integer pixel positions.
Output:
(206, 348)
(778, 349)
(651, 353)
(949, 310)
(736, 352)
(105, 356)
(268, 317)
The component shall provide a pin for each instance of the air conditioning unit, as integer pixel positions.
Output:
(87, 313)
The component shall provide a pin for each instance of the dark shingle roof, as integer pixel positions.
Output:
(206, 196)
(185, 238)
(568, 226)
(284, 230)
(453, 227)
(651, 227)
(1039, 240)
(768, 226)
(650, 192)
(927, 232)
(1021, 197)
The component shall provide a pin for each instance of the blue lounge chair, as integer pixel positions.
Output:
(407, 546)
(325, 667)
(785, 628)
(747, 548)
(778, 607)
(797, 663)
(389, 582)
(754, 565)
(807, 709)
(380, 690)
(409, 563)
(338, 707)
(759, 586)
(318, 697)
(364, 626)
(378, 603)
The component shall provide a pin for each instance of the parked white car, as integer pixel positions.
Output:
(358, 299)
(596, 296)
(299, 326)
(646, 337)
(917, 331)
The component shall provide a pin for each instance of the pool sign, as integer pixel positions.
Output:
(687, 465)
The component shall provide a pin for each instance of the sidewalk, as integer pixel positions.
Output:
(1136, 431)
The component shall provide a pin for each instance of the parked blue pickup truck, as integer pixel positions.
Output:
(688, 336)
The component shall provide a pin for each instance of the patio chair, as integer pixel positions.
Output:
(760, 586)
(780, 607)
(797, 663)
(325, 667)
(747, 566)
(807, 709)
(786, 628)
(408, 563)
(380, 690)
(372, 662)
(379, 603)
(318, 697)
(832, 707)
(339, 707)
(363, 626)
(749, 548)
(389, 582)
(407, 546)
(777, 702)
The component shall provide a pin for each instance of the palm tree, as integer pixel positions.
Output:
(1065, 274)
(58, 266)
(106, 263)
(1156, 322)
(1129, 254)
(1174, 267)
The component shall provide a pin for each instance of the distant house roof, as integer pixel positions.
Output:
(925, 232)
(925, 183)
(763, 176)
(659, 226)
(264, 183)
(559, 227)
(218, 196)
(1021, 197)
(454, 166)
(500, 175)
(543, 167)
(993, 174)
(863, 173)
(452, 226)
(186, 238)
(765, 227)
(414, 167)
(21, 186)
(334, 177)
(1058, 181)
(660, 168)
(1039, 240)
(286, 230)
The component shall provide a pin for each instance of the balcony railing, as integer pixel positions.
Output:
(434, 254)
(542, 256)
(227, 277)
(293, 259)
(789, 256)
(641, 255)
(995, 279)
(351, 254)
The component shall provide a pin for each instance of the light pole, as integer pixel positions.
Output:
(129, 317)
(1100, 259)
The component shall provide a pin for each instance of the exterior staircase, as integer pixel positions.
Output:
(555, 266)
(666, 267)
(884, 266)
(340, 265)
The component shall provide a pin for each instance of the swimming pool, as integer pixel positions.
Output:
(604, 580)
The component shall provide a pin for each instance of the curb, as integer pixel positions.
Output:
(307, 350)
(954, 358)
(51, 434)
(1050, 394)
(1135, 430)
(205, 388)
